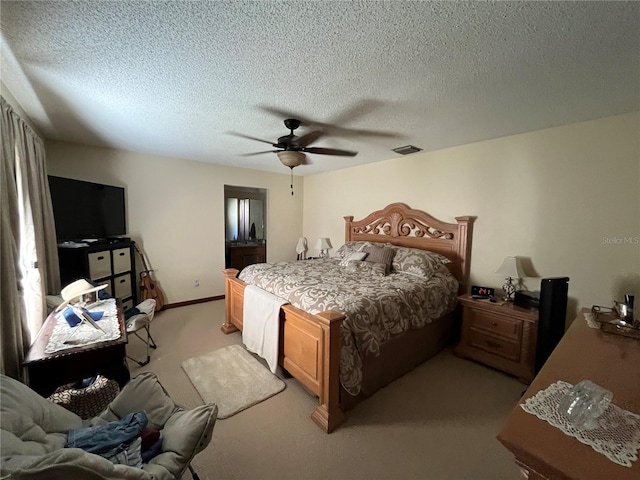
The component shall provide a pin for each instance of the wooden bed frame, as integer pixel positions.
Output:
(310, 344)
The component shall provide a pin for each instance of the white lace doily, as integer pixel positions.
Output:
(617, 435)
(591, 320)
(85, 334)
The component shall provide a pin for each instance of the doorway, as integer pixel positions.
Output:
(245, 226)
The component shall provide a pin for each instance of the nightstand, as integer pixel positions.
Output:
(499, 335)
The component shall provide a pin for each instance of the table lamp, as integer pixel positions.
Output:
(324, 244)
(511, 268)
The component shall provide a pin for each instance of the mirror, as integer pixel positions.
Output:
(245, 220)
(245, 232)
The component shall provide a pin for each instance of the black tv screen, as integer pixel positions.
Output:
(87, 210)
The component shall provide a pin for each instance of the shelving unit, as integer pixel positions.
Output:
(112, 263)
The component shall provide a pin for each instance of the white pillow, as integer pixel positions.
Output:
(355, 256)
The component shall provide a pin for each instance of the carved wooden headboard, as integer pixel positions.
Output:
(401, 225)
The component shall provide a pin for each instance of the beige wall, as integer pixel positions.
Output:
(175, 211)
(567, 198)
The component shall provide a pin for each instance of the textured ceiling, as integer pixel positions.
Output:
(173, 78)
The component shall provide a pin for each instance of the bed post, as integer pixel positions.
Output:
(465, 230)
(328, 414)
(347, 227)
(228, 326)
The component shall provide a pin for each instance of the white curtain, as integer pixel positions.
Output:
(28, 251)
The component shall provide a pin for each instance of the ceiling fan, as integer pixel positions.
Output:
(291, 148)
(337, 128)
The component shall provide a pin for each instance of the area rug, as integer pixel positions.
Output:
(232, 379)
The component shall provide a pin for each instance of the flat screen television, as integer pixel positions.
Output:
(87, 210)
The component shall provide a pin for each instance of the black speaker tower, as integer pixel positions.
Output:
(551, 317)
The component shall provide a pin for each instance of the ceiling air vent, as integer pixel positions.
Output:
(406, 150)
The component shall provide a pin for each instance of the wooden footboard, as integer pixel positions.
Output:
(309, 349)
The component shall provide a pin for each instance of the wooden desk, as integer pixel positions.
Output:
(544, 451)
(47, 371)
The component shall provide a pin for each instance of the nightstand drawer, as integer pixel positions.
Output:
(496, 345)
(495, 324)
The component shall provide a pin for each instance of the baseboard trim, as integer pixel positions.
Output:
(192, 302)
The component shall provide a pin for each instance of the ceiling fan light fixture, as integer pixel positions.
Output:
(406, 150)
(291, 158)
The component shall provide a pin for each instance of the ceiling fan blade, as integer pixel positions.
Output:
(242, 135)
(349, 132)
(257, 153)
(305, 122)
(330, 151)
(309, 138)
(361, 108)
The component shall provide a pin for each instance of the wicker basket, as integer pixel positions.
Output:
(89, 401)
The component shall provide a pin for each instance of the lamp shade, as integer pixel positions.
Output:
(291, 158)
(511, 267)
(323, 244)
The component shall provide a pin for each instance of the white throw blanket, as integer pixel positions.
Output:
(261, 324)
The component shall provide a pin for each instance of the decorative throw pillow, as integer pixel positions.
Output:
(355, 256)
(382, 255)
(348, 248)
(344, 251)
(366, 268)
(420, 263)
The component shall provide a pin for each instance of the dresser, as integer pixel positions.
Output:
(240, 256)
(110, 263)
(500, 335)
(544, 451)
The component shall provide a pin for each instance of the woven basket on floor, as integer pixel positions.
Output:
(89, 401)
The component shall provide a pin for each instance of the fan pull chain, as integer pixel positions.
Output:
(291, 180)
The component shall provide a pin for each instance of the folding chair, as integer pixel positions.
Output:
(137, 322)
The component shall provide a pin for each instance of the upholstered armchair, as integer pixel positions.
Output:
(34, 430)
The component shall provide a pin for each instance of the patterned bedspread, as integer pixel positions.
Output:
(376, 307)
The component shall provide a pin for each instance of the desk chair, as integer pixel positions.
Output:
(138, 319)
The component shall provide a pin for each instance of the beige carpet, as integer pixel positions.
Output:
(438, 422)
(232, 379)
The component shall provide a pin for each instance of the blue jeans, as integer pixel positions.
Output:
(102, 438)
